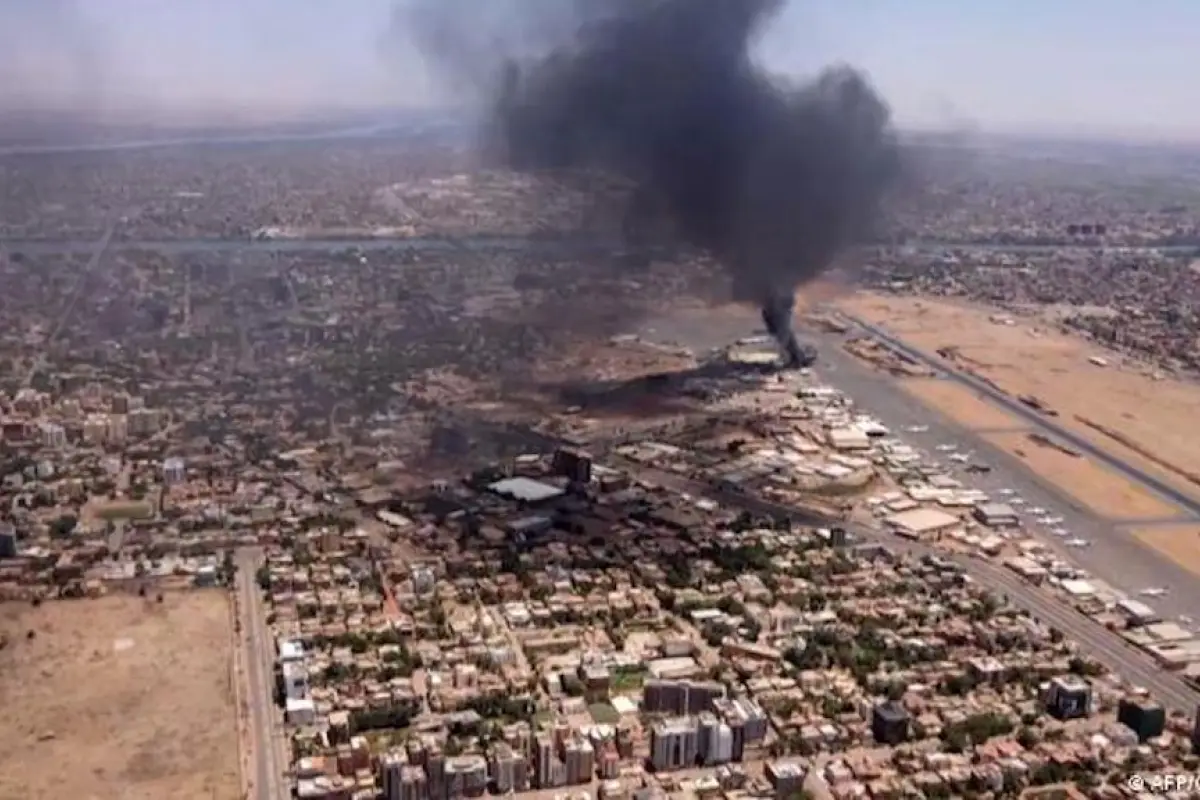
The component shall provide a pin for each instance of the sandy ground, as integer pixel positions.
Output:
(961, 405)
(1180, 543)
(119, 697)
(1028, 357)
(1092, 485)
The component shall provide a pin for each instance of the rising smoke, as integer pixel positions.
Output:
(773, 179)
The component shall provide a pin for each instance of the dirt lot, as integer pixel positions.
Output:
(1180, 543)
(118, 697)
(960, 404)
(1029, 357)
(1092, 485)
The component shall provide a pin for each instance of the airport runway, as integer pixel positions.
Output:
(1035, 419)
(1093, 639)
(1114, 556)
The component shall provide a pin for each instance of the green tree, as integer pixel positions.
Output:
(63, 526)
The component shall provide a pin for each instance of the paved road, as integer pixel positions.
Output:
(1093, 638)
(897, 408)
(1115, 555)
(269, 764)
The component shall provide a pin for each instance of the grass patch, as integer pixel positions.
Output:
(628, 681)
(604, 714)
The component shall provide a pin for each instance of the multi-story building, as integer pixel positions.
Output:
(95, 429)
(746, 720)
(400, 780)
(1068, 697)
(466, 776)
(435, 769)
(716, 740)
(544, 745)
(53, 435)
(174, 471)
(580, 758)
(674, 744)
(144, 421)
(680, 698)
(609, 761)
(8, 540)
(785, 777)
(510, 770)
(1142, 716)
(414, 785)
(391, 769)
(889, 723)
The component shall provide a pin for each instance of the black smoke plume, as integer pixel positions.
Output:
(773, 179)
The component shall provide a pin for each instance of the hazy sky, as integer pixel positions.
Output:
(1089, 66)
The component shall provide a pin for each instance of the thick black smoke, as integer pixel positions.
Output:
(774, 180)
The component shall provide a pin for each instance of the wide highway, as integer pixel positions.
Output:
(269, 764)
(1093, 638)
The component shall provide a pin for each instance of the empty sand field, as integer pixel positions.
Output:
(1030, 357)
(960, 404)
(1093, 486)
(118, 697)
(1180, 543)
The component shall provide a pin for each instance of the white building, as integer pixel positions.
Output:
(118, 427)
(54, 435)
(295, 680)
(174, 471)
(301, 711)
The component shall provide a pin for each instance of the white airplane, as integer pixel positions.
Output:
(1037, 510)
(1046, 520)
(1153, 591)
(946, 448)
(1061, 532)
(1054, 520)
(960, 458)
(1017, 501)
(1006, 492)
(1077, 543)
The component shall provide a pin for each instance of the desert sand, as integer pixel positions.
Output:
(961, 405)
(1155, 418)
(119, 697)
(1180, 543)
(1093, 486)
